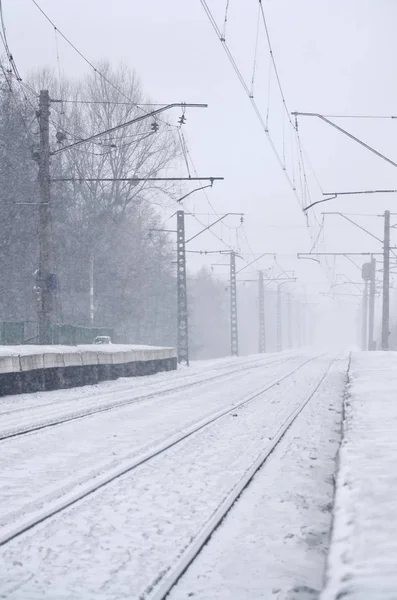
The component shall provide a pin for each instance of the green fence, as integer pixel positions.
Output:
(71, 335)
(13, 333)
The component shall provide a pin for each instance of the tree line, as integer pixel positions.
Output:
(113, 269)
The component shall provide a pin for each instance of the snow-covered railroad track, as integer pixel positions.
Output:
(64, 397)
(160, 591)
(84, 489)
(21, 421)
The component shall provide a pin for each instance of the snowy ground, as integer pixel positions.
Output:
(88, 395)
(119, 541)
(52, 462)
(363, 558)
(275, 538)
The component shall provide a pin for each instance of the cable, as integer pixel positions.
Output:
(225, 20)
(272, 58)
(360, 116)
(13, 71)
(189, 157)
(88, 62)
(112, 102)
(318, 236)
(255, 54)
(312, 169)
(5, 42)
(274, 62)
(269, 83)
(58, 64)
(252, 100)
(306, 186)
(183, 147)
(17, 102)
(25, 87)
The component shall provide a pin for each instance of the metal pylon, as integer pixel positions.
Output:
(262, 330)
(289, 321)
(279, 321)
(183, 338)
(298, 325)
(233, 306)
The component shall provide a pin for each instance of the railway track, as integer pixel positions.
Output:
(163, 585)
(102, 403)
(101, 389)
(84, 490)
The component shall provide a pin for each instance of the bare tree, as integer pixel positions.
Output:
(104, 225)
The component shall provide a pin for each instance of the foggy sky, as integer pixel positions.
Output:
(333, 56)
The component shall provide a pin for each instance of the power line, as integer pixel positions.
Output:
(294, 127)
(348, 134)
(252, 100)
(26, 88)
(5, 42)
(190, 158)
(255, 53)
(16, 99)
(361, 116)
(115, 102)
(284, 102)
(58, 60)
(76, 49)
(183, 147)
(318, 235)
(13, 71)
(86, 60)
(274, 63)
(97, 71)
(225, 20)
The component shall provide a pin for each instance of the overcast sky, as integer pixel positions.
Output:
(334, 57)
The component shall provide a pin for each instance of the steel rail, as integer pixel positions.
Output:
(192, 551)
(88, 412)
(93, 486)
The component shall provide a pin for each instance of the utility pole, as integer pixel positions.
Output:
(262, 327)
(182, 306)
(366, 273)
(364, 317)
(45, 281)
(261, 303)
(371, 318)
(233, 300)
(233, 306)
(298, 325)
(289, 316)
(386, 283)
(183, 338)
(279, 319)
(303, 322)
(183, 330)
(92, 291)
(279, 329)
(308, 325)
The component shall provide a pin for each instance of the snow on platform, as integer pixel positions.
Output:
(18, 350)
(14, 359)
(362, 562)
